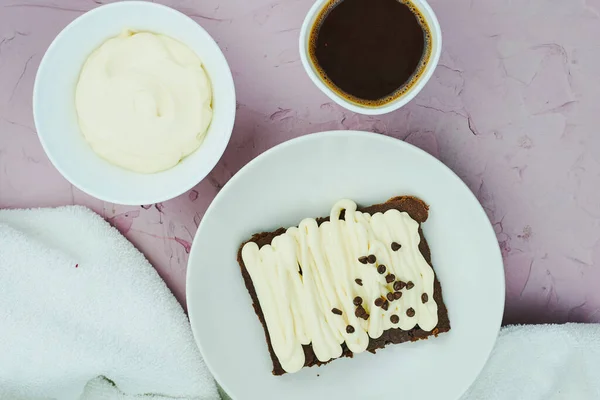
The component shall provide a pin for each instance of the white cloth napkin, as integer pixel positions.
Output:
(542, 362)
(83, 315)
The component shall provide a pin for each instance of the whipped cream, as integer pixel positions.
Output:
(143, 101)
(306, 282)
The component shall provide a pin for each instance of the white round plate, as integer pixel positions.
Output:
(304, 178)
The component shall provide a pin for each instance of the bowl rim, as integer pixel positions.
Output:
(436, 37)
(163, 196)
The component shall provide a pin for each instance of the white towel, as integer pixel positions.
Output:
(80, 308)
(542, 362)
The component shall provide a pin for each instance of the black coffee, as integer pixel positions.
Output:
(370, 51)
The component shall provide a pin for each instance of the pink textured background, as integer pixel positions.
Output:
(513, 109)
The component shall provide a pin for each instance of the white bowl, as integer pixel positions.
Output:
(436, 49)
(56, 118)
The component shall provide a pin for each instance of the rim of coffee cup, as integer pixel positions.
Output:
(436, 49)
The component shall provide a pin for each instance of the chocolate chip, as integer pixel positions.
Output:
(381, 269)
(395, 319)
(410, 285)
(361, 313)
(399, 286)
(390, 278)
(350, 329)
(385, 305)
(390, 296)
(357, 301)
(424, 298)
(379, 301)
(358, 282)
(397, 295)
(410, 312)
(336, 311)
(371, 259)
(362, 260)
(396, 246)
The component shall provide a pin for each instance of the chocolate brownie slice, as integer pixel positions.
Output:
(419, 211)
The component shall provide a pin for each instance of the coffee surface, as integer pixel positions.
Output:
(370, 51)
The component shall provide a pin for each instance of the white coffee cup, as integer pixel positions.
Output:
(311, 70)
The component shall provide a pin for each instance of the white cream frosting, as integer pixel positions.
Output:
(143, 101)
(298, 306)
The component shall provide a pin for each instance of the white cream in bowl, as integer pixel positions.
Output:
(143, 101)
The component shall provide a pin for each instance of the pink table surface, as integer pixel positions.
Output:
(513, 109)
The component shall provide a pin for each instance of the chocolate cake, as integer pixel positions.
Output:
(439, 323)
